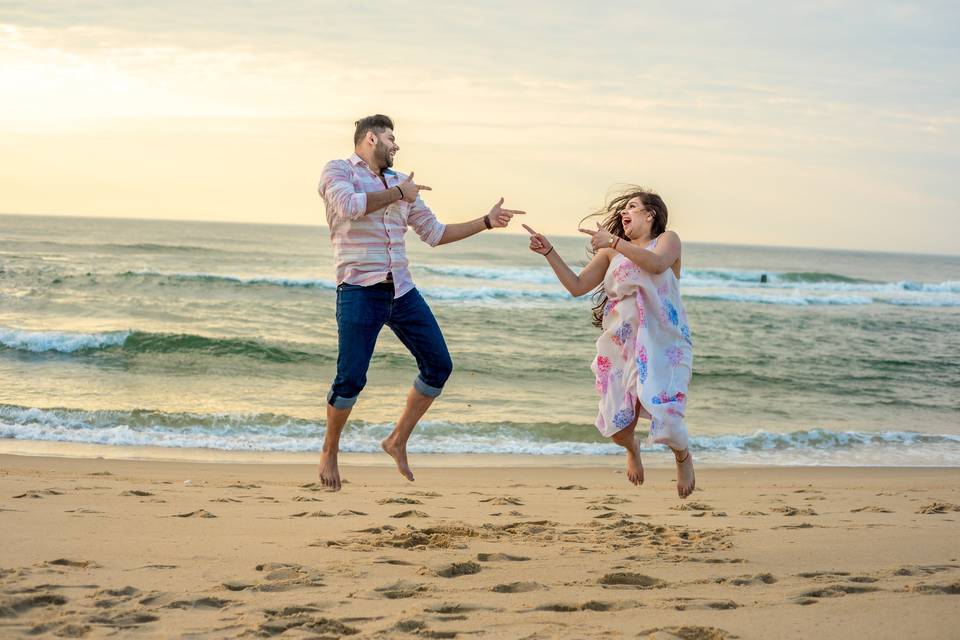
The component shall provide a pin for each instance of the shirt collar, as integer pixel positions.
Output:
(357, 160)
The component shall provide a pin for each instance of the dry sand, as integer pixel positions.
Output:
(94, 548)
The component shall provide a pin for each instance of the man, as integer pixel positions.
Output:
(369, 207)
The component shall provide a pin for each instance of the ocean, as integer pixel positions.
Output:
(222, 336)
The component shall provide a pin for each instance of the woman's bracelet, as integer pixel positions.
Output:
(615, 243)
(401, 191)
(548, 252)
(486, 221)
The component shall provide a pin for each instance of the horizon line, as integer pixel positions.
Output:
(508, 231)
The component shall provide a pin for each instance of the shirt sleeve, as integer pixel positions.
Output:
(423, 221)
(336, 189)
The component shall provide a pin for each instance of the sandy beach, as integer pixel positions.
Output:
(155, 549)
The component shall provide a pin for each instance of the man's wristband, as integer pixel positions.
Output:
(548, 252)
(486, 221)
(401, 191)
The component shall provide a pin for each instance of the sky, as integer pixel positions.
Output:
(822, 124)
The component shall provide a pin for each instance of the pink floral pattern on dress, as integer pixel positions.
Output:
(644, 354)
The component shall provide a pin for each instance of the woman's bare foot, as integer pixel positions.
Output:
(686, 480)
(398, 451)
(626, 439)
(634, 465)
(329, 471)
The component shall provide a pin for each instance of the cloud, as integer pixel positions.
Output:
(866, 88)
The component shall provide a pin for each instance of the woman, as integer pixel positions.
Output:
(644, 355)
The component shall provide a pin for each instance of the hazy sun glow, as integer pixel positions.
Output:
(831, 125)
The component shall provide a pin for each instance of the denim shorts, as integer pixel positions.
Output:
(361, 314)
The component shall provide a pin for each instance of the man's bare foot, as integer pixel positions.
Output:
(329, 471)
(634, 465)
(398, 452)
(686, 480)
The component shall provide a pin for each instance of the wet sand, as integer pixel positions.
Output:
(158, 549)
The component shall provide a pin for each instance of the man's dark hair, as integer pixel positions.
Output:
(376, 123)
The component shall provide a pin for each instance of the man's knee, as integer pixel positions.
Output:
(444, 368)
(344, 393)
(434, 375)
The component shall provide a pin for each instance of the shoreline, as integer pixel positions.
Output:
(651, 459)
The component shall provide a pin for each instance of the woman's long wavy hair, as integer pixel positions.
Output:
(654, 205)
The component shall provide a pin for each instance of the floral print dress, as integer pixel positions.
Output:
(645, 352)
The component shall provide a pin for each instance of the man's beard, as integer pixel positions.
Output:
(382, 155)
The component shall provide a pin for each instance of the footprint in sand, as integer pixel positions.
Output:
(572, 487)
(752, 513)
(386, 527)
(692, 506)
(136, 492)
(927, 570)
(393, 561)
(316, 486)
(78, 564)
(68, 630)
(612, 514)
(312, 514)
(518, 587)
(306, 499)
(401, 589)
(453, 608)
(503, 500)
(743, 581)
(704, 560)
(611, 500)
(794, 511)
(206, 602)
(952, 589)
(683, 604)
(226, 500)
(240, 485)
(591, 605)
(938, 507)
(686, 633)
(399, 501)
(871, 510)
(500, 557)
(279, 576)
(831, 591)
(299, 618)
(124, 620)
(39, 493)
(110, 598)
(802, 525)
(199, 513)
(419, 627)
(411, 513)
(12, 607)
(350, 512)
(458, 569)
(627, 579)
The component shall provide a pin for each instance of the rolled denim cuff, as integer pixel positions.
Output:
(339, 402)
(425, 389)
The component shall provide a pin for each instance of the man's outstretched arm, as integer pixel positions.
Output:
(498, 217)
